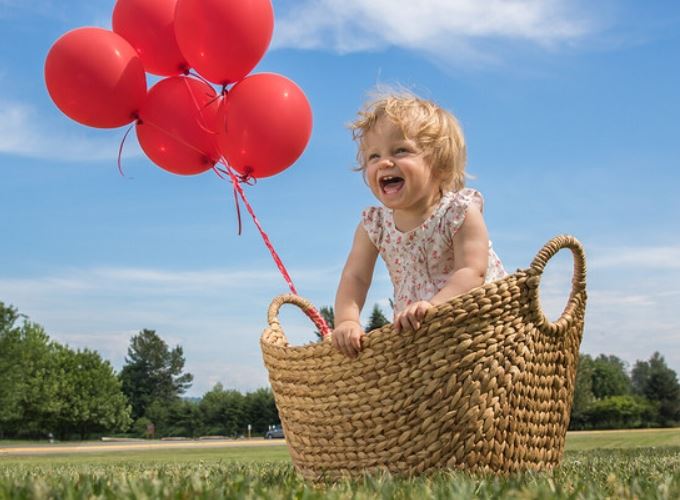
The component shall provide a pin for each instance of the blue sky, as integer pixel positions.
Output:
(570, 110)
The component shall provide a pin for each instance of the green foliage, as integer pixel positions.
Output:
(224, 412)
(656, 382)
(583, 392)
(90, 395)
(153, 372)
(49, 388)
(260, 410)
(29, 402)
(616, 412)
(141, 428)
(377, 319)
(610, 377)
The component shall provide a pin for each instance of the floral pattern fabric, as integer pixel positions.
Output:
(421, 260)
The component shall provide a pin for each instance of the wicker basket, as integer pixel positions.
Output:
(485, 384)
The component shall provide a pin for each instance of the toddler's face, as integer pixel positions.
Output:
(397, 170)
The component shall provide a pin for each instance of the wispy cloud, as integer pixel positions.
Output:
(217, 315)
(25, 132)
(432, 26)
(647, 257)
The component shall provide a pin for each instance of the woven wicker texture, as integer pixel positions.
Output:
(485, 384)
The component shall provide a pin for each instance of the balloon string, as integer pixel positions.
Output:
(196, 75)
(313, 314)
(178, 139)
(120, 150)
(200, 109)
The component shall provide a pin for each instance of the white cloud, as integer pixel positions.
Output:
(647, 257)
(24, 132)
(432, 26)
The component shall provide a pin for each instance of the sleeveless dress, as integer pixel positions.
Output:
(421, 260)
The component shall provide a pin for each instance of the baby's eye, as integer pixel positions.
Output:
(401, 151)
(373, 156)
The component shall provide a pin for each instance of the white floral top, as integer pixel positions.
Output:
(421, 260)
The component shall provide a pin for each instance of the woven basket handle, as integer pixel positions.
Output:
(306, 306)
(578, 282)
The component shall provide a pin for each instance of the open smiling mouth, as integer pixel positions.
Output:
(391, 184)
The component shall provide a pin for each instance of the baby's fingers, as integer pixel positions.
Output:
(413, 320)
(401, 322)
(356, 342)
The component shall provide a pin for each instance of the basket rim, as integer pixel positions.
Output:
(535, 270)
(373, 336)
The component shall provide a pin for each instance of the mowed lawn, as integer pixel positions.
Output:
(597, 464)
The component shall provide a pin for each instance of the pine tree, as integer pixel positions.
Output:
(654, 380)
(153, 372)
(377, 319)
(329, 317)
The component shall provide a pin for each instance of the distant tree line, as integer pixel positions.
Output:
(46, 387)
(607, 397)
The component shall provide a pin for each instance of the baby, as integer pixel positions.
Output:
(429, 230)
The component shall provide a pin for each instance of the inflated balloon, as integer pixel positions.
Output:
(223, 40)
(149, 26)
(176, 125)
(264, 124)
(95, 77)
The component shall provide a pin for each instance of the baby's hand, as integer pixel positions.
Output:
(411, 317)
(347, 338)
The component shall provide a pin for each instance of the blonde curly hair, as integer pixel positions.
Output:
(435, 130)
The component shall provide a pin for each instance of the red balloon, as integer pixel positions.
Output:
(149, 26)
(265, 124)
(223, 40)
(95, 77)
(177, 123)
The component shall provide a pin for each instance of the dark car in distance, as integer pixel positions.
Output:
(275, 432)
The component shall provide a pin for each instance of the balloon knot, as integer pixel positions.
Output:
(247, 178)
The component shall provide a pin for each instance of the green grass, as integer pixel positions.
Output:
(625, 469)
(590, 440)
(156, 456)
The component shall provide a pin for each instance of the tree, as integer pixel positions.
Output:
(583, 392)
(329, 317)
(8, 318)
(30, 377)
(153, 372)
(658, 383)
(90, 395)
(9, 368)
(261, 411)
(47, 387)
(377, 319)
(224, 411)
(618, 412)
(610, 377)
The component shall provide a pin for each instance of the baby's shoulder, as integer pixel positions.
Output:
(455, 208)
(373, 215)
(373, 221)
(466, 197)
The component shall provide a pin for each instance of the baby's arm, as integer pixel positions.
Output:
(471, 257)
(351, 295)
